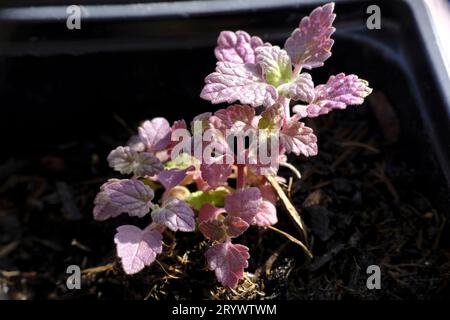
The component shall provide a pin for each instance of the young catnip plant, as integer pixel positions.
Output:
(231, 184)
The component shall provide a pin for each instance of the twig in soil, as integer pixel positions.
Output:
(293, 213)
(48, 243)
(342, 157)
(247, 289)
(349, 151)
(293, 239)
(292, 168)
(167, 273)
(16, 273)
(379, 172)
(153, 293)
(270, 261)
(309, 172)
(99, 269)
(172, 245)
(317, 197)
(183, 259)
(323, 260)
(170, 268)
(360, 145)
(439, 234)
(289, 188)
(321, 185)
(123, 123)
(7, 249)
(79, 245)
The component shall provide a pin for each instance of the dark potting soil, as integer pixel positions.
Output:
(361, 199)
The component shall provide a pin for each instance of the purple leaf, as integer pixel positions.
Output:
(236, 47)
(216, 230)
(208, 211)
(137, 248)
(122, 196)
(266, 216)
(339, 92)
(310, 44)
(236, 118)
(147, 165)
(176, 215)
(172, 177)
(267, 213)
(126, 161)
(301, 111)
(202, 119)
(228, 261)
(155, 134)
(177, 125)
(135, 143)
(215, 174)
(243, 203)
(272, 118)
(235, 226)
(213, 230)
(299, 139)
(301, 88)
(238, 82)
(215, 145)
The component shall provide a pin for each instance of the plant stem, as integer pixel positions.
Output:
(285, 101)
(240, 176)
(293, 213)
(287, 111)
(293, 239)
(297, 70)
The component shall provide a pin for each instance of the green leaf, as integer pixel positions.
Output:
(275, 63)
(215, 197)
(272, 118)
(182, 161)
